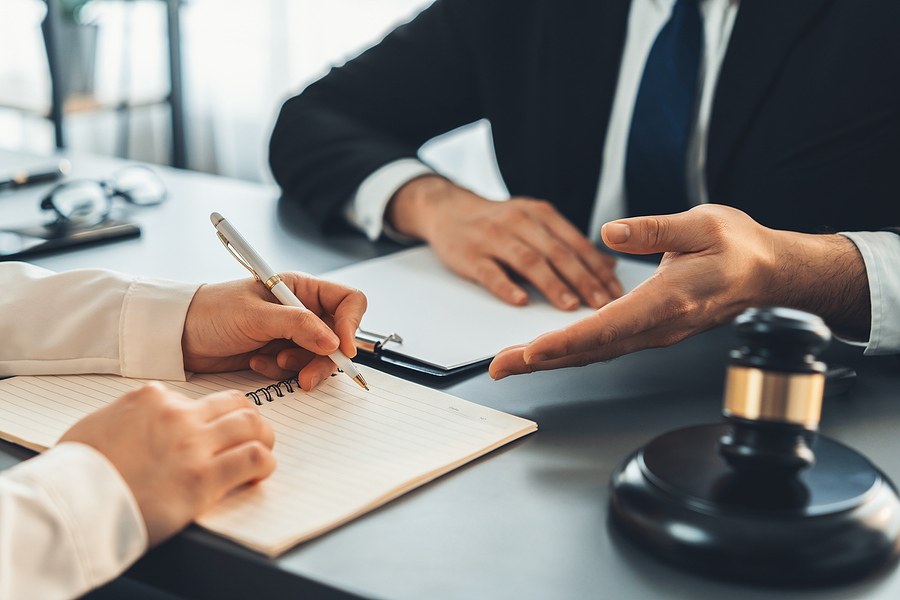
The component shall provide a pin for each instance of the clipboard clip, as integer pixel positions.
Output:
(372, 342)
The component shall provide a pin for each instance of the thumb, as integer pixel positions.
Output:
(681, 232)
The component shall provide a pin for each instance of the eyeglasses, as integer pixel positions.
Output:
(88, 202)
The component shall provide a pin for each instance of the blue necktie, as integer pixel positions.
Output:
(656, 159)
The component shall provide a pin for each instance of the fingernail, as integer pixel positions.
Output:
(535, 358)
(314, 382)
(600, 298)
(291, 364)
(327, 340)
(518, 296)
(617, 233)
(256, 363)
(501, 374)
(569, 300)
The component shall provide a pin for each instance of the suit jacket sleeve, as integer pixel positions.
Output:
(339, 130)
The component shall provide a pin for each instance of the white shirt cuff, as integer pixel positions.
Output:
(365, 210)
(151, 326)
(77, 521)
(881, 253)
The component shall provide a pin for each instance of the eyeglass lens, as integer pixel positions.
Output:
(86, 202)
(138, 185)
(80, 202)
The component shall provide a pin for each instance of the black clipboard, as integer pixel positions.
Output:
(372, 351)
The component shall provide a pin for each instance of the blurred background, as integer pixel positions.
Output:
(239, 60)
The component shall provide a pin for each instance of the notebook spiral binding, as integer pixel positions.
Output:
(277, 390)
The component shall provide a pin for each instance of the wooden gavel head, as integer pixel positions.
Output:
(773, 391)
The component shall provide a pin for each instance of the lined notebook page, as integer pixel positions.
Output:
(341, 451)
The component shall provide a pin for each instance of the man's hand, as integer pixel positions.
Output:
(179, 456)
(717, 263)
(240, 324)
(480, 239)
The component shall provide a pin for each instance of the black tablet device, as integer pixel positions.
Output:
(21, 243)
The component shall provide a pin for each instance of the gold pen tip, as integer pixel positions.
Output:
(361, 381)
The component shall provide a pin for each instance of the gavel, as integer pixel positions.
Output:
(761, 496)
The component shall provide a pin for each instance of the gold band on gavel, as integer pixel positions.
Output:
(773, 396)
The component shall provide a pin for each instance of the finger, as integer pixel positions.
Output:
(300, 325)
(268, 366)
(531, 264)
(215, 405)
(238, 427)
(275, 347)
(310, 369)
(509, 361)
(327, 297)
(156, 390)
(537, 234)
(682, 232)
(318, 369)
(286, 354)
(239, 465)
(293, 359)
(644, 308)
(601, 265)
(662, 336)
(512, 363)
(494, 279)
(570, 266)
(347, 317)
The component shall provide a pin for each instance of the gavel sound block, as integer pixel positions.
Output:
(761, 497)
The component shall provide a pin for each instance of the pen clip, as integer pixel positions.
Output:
(236, 255)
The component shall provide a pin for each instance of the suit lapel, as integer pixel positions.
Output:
(764, 32)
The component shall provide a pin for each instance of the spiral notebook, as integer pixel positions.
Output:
(341, 451)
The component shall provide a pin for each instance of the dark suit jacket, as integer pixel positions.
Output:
(804, 134)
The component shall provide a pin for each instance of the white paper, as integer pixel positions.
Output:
(447, 321)
(341, 451)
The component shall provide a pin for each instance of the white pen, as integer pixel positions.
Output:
(247, 256)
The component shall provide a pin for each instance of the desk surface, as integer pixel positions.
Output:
(527, 521)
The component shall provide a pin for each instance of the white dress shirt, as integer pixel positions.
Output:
(366, 208)
(68, 521)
